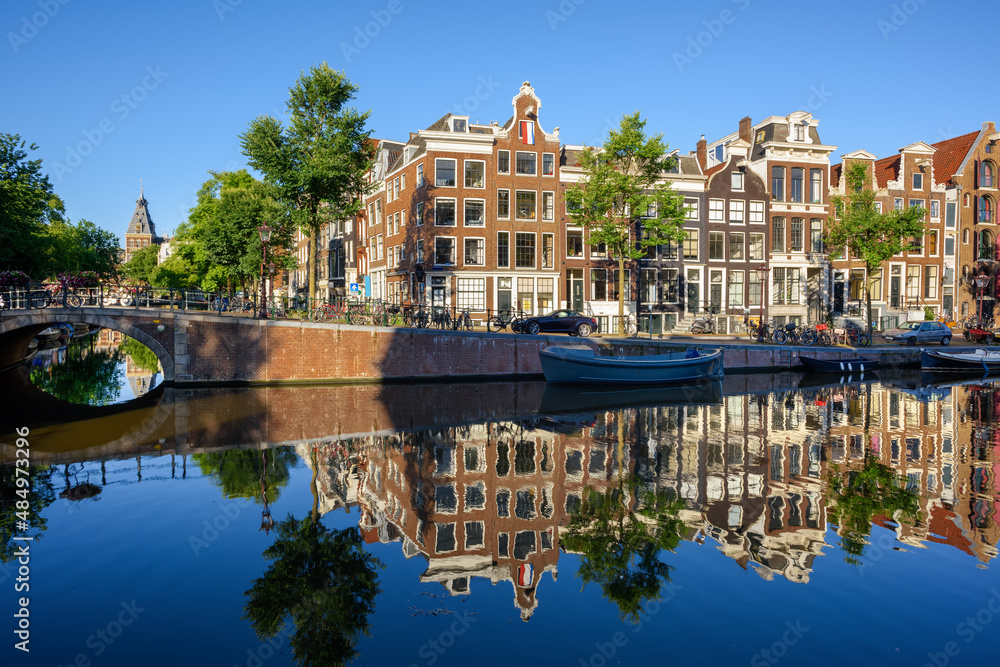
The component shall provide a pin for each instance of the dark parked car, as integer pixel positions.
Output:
(913, 333)
(561, 321)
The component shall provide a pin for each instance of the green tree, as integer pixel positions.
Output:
(88, 376)
(865, 232)
(858, 496)
(42, 495)
(140, 266)
(231, 206)
(238, 471)
(27, 205)
(319, 163)
(620, 545)
(141, 356)
(319, 589)
(624, 199)
(80, 247)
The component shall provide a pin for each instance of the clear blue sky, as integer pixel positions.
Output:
(878, 75)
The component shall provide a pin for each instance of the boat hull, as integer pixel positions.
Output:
(579, 365)
(842, 366)
(979, 361)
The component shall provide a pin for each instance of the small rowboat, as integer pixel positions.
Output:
(859, 365)
(979, 361)
(580, 364)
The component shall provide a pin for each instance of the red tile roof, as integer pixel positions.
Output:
(950, 154)
(887, 169)
(712, 170)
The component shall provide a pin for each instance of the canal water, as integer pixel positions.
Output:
(762, 520)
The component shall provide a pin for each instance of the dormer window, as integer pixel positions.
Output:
(918, 181)
(459, 125)
(737, 181)
(800, 132)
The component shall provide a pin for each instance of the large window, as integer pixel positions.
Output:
(798, 174)
(690, 209)
(691, 244)
(525, 204)
(932, 242)
(599, 284)
(670, 279)
(786, 286)
(475, 213)
(444, 250)
(716, 210)
(756, 250)
(798, 234)
(503, 249)
(778, 183)
(815, 186)
(475, 252)
(913, 281)
(545, 294)
(526, 163)
(548, 206)
(574, 243)
(816, 235)
(930, 282)
(716, 245)
(444, 212)
(548, 250)
(524, 250)
(648, 286)
(754, 293)
(444, 172)
(986, 174)
(735, 289)
(503, 203)
(778, 235)
(736, 247)
(757, 212)
(475, 174)
(472, 293)
(526, 302)
(626, 287)
(737, 212)
(503, 162)
(985, 209)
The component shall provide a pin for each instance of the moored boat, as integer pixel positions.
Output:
(580, 364)
(856, 365)
(977, 361)
(52, 333)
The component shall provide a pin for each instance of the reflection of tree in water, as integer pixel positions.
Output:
(620, 533)
(88, 376)
(858, 496)
(41, 495)
(238, 471)
(318, 590)
(140, 355)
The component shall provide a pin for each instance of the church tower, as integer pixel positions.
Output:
(141, 232)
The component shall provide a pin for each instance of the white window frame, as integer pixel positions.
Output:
(935, 210)
(455, 204)
(716, 210)
(465, 212)
(420, 175)
(729, 246)
(548, 212)
(551, 263)
(482, 249)
(736, 181)
(500, 152)
(534, 162)
(725, 246)
(454, 162)
(553, 157)
(756, 213)
(514, 249)
(534, 217)
(697, 245)
(420, 213)
(737, 206)
(503, 217)
(465, 174)
(575, 231)
(499, 265)
(691, 211)
(915, 177)
(763, 246)
(454, 250)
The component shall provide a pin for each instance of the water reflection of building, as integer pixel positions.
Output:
(490, 500)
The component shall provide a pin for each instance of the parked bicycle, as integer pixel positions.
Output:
(856, 336)
(762, 332)
(506, 318)
(794, 334)
(234, 303)
(442, 317)
(462, 321)
(44, 298)
(329, 312)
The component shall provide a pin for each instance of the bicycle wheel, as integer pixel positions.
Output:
(318, 315)
(467, 322)
(39, 299)
(808, 337)
(493, 324)
(780, 337)
(864, 340)
(516, 325)
(824, 339)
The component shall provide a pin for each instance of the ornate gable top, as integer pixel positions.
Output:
(141, 223)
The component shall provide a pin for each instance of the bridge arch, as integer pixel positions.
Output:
(17, 329)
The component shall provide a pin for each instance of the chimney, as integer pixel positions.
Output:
(702, 152)
(745, 129)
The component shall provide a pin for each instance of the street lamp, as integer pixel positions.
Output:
(762, 271)
(265, 238)
(982, 282)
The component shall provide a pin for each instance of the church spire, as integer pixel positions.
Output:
(141, 222)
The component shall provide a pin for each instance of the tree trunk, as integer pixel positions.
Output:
(621, 292)
(312, 252)
(868, 299)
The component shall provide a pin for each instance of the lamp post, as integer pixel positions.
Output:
(265, 237)
(982, 282)
(762, 271)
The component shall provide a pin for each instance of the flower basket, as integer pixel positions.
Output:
(13, 279)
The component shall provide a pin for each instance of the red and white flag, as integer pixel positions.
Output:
(525, 573)
(528, 131)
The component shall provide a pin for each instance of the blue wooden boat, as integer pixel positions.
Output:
(579, 364)
(976, 361)
(842, 366)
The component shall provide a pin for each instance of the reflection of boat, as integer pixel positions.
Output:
(52, 333)
(580, 364)
(565, 399)
(82, 329)
(65, 331)
(976, 361)
(32, 349)
(842, 366)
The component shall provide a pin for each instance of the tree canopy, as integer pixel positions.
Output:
(140, 266)
(624, 199)
(29, 204)
(867, 233)
(319, 163)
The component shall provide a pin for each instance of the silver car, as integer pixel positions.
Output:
(913, 333)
